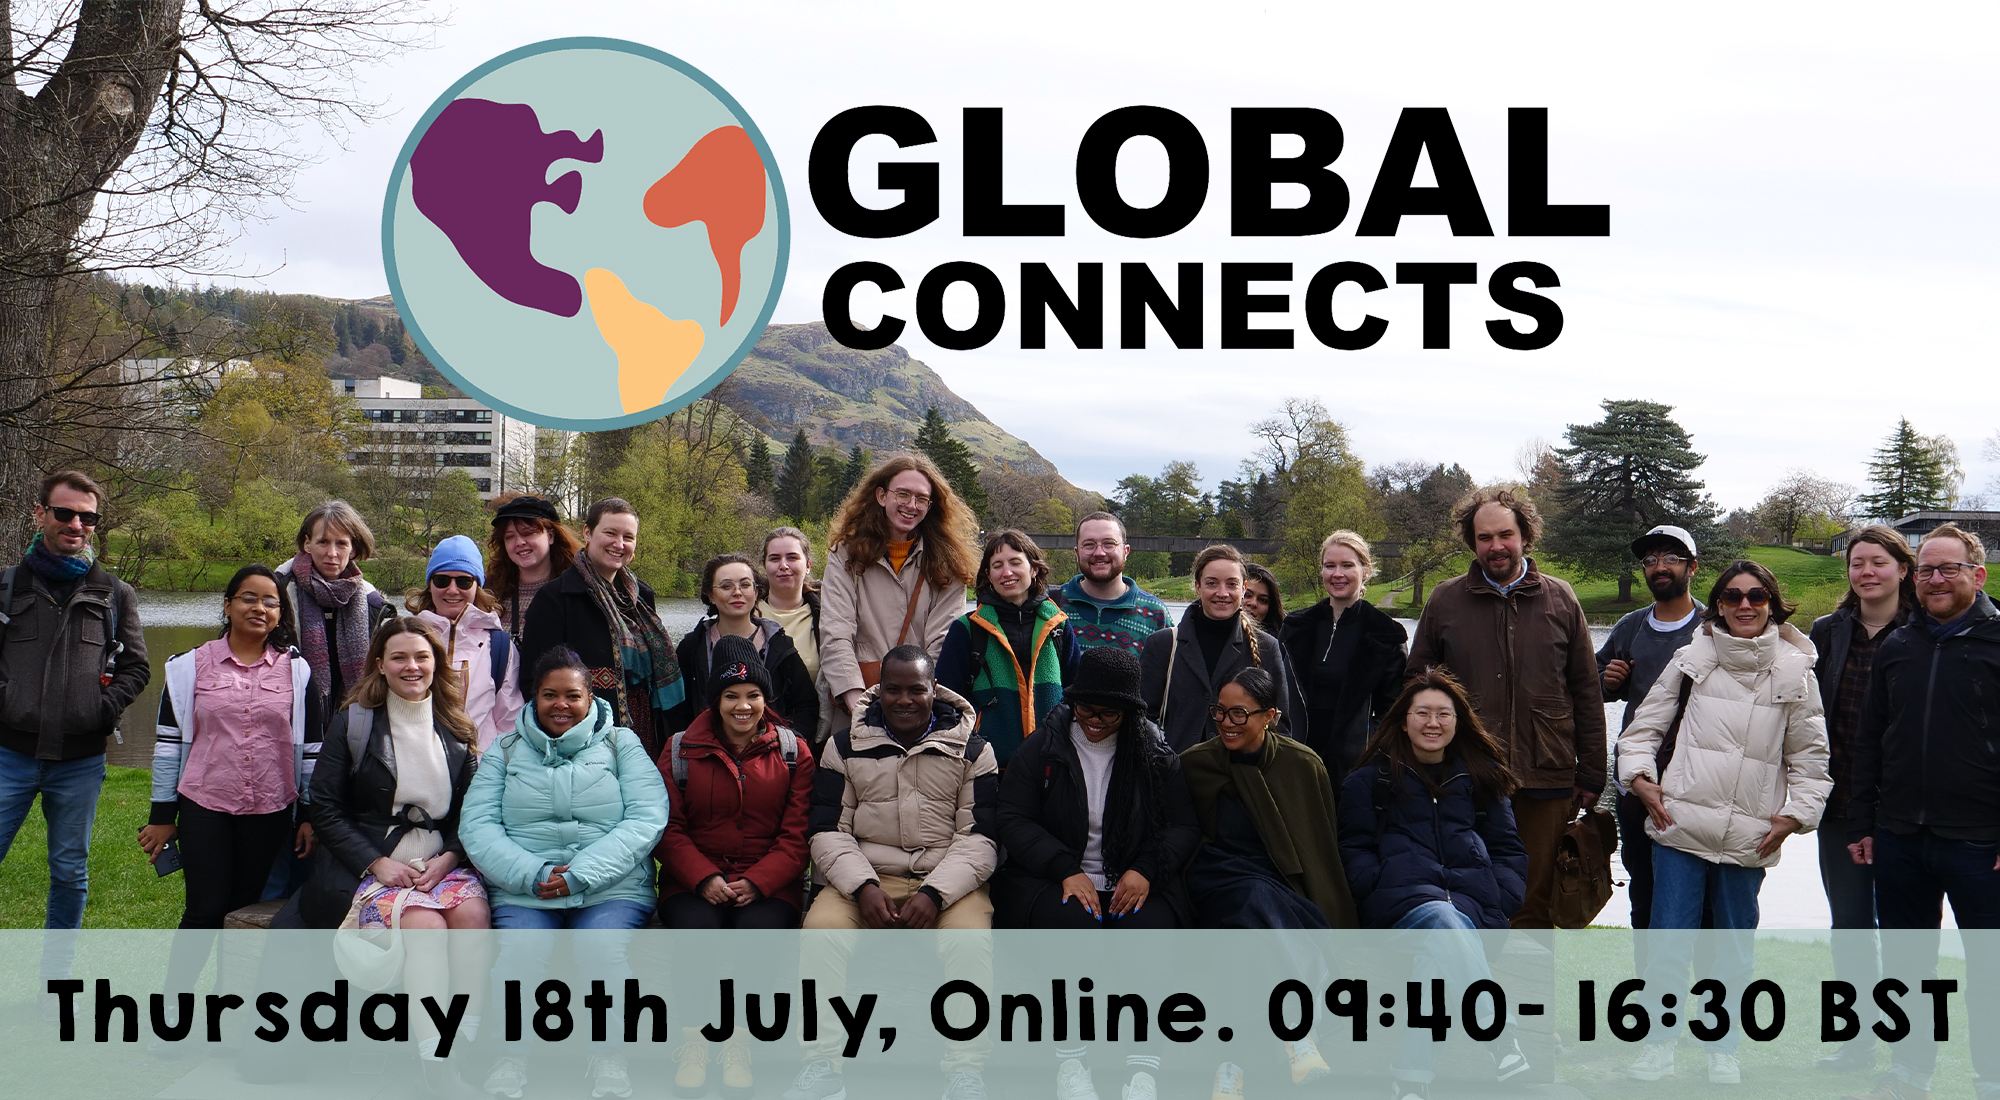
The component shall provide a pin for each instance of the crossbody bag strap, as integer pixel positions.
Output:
(1173, 652)
(910, 612)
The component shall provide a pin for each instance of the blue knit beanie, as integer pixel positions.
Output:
(458, 554)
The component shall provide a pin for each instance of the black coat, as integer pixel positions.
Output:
(1421, 849)
(351, 813)
(1369, 683)
(565, 613)
(1928, 750)
(792, 692)
(1045, 822)
(1193, 687)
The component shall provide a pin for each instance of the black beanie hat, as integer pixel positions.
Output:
(734, 661)
(525, 507)
(1106, 676)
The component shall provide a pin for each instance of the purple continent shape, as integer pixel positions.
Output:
(478, 172)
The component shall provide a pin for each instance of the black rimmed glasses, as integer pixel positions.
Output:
(1235, 716)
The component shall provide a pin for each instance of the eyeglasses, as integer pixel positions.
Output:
(1756, 597)
(1651, 560)
(904, 496)
(1442, 714)
(1108, 546)
(1944, 571)
(439, 580)
(1095, 716)
(251, 599)
(65, 515)
(1235, 716)
(728, 587)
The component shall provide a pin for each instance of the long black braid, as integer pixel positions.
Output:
(1139, 761)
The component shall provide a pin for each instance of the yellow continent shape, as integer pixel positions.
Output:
(653, 349)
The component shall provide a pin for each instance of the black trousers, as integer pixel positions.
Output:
(225, 861)
(696, 969)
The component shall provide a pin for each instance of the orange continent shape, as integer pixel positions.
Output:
(653, 349)
(720, 183)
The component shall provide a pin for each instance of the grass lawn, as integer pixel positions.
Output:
(124, 892)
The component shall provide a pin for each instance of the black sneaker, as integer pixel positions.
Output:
(817, 1080)
(1854, 1056)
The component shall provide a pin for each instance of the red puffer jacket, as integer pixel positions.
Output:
(738, 818)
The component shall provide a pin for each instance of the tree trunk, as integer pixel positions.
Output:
(1624, 588)
(1416, 588)
(63, 146)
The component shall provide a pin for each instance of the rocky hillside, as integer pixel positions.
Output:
(800, 377)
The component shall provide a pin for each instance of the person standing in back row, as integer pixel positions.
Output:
(1922, 812)
(1105, 607)
(1631, 659)
(73, 657)
(902, 554)
(1519, 643)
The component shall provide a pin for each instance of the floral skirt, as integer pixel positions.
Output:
(454, 889)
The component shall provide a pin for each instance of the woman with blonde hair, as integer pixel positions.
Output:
(1346, 655)
(902, 554)
(386, 797)
(1182, 669)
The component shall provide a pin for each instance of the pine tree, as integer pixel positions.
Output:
(1908, 475)
(795, 477)
(1624, 475)
(757, 471)
(953, 458)
(851, 473)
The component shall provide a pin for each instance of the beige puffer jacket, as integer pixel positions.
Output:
(1752, 743)
(925, 812)
(859, 616)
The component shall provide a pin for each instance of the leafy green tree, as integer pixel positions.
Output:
(953, 458)
(795, 479)
(1908, 474)
(757, 467)
(1316, 485)
(1622, 476)
(1417, 506)
(1171, 504)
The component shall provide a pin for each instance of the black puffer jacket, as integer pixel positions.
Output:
(1928, 751)
(1421, 848)
(1045, 823)
(351, 813)
(1370, 674)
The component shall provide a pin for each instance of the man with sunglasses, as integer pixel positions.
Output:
(72, 657)
(1629, 661)
(1925, 811)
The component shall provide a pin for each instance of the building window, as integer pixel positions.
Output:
(484, 484)
(483, 416)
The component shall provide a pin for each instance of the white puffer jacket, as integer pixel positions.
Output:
(1752, 743)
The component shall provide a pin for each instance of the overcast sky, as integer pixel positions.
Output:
(1802, 208)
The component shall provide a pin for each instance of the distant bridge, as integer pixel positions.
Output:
(1188, 544)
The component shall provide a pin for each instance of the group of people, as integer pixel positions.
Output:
(527, 749)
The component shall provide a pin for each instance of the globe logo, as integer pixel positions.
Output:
(586, 233)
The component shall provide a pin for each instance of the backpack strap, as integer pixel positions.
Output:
(1173, 651)
(1672, 737)
(360, 723)
(788, 747)
(498, 642)
(680, 764)
(7, 596)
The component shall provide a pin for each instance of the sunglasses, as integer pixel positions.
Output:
(65, 515)
(1756, 597)
(461, 581)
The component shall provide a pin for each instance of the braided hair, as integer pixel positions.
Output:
(1222, 551)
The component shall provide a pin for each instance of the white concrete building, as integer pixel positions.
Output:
(405, 428)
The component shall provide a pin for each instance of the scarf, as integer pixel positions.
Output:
(644, 651)
(316, 595)
(62, 569)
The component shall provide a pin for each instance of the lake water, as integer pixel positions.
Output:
(178, 621)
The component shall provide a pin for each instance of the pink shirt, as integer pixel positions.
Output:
(240, 739)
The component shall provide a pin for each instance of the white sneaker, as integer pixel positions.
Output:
(1073, 1081)
(608, 1076)
(509, 1077)
(1509, 1061)
(1724, 1069)
(1655, 1061)
(1141, 1088)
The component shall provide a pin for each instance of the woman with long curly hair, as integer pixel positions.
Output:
(529, 547)
(902, 554)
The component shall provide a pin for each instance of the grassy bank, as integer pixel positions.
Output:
(124, 892)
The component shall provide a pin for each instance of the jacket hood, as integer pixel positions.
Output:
(1781, 650)
(701, 733)
(471, 619)
(556, 750)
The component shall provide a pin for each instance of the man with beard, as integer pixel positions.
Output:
(1104, 606)
(1519, 643)
(1631, 659)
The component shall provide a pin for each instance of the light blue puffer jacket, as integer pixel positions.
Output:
(591, 799)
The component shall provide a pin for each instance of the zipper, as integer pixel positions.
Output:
(1924, 745)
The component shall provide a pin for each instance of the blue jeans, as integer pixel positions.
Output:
(1913, 876)
(69, 790)
(1681, 885)
(527, 939)
(1447, 945)
(1850, 896)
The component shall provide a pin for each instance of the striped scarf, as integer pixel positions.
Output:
(645, 653)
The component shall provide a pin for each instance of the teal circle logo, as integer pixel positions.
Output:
(586, 233)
